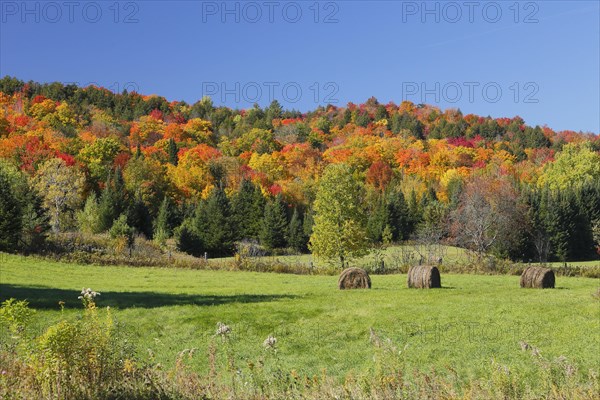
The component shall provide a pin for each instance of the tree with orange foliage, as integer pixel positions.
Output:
(379, 175)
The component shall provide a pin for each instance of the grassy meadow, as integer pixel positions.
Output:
(463, 331)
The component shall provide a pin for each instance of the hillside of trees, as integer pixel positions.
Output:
(88, 160)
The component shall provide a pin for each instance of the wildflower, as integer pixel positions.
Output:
(88, 294)
(270, 342)
(128, 366)
(222, 330)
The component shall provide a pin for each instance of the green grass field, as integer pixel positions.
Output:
(473, 320)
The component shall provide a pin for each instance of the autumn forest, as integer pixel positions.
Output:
(84, 159)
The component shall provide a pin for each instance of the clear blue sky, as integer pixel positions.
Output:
(543, 56)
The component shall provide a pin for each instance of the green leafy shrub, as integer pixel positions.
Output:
(83, 358)
(15, 314)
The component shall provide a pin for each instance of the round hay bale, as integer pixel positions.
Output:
(424, 277)
(537, 277)
(354, 278)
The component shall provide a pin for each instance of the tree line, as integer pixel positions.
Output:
(488, 216)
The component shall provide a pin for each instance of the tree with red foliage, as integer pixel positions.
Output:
(379, 175)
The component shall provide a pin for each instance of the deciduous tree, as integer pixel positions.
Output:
(339, 231)
(488, 213)
(62, 187)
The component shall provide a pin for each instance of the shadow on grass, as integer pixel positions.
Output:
(48, 298)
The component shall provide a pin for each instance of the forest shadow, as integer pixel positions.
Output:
(48, 298)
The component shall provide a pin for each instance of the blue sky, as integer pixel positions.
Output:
(539, 60)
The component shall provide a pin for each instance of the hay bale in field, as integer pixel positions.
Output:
(354, 278)
(537, 277)
(424, 277)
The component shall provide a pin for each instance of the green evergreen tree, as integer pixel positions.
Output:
(173, 151)
(138, 217)
(122, 233)
(407, 122)
(88, 219)
(415, 210)
(272, 112)
(538, 239)
(274, 227)
(296, 238)
(34, 217)
(377, 220)
(187, 238)
(381, 112)
(113, 200)
(570, 232)
(212, 224)
(362, 119)
(398, 216)
(558, 221)
(11, 215)
(35, 224)
(345, 118)
(165, 221)
(247, 208)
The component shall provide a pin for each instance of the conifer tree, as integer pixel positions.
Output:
(138, 217)
(89, 218)
(247, 208)
(274, 227)
(187, 238)
(377, 220)
(296, 238)
(10, 216)
(113, 200)
(212, 224)
(165, 220)
(398, 216)
(173, 157)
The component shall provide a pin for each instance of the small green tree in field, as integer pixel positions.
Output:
(89, 218)
(339, 230)
(122, 233)
(162, 230)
